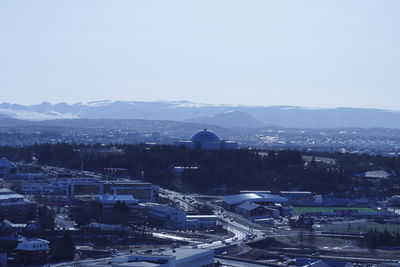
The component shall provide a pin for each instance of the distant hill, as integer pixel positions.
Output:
(171, 128)
(229, 116)
(230, 119)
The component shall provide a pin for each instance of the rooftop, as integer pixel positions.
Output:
(249, 206)
(252, 197)
(377, 174)
(115, 198)
(33, 244)
(6, 191)
(205, 136)
(5, 163)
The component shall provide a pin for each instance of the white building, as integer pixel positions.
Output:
(180, 257)
(6, 191)
(171, 217)
(201, 221)
(377, 175)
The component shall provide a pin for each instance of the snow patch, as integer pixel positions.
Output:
(36, 116)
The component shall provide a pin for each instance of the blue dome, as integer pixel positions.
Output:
(205, 136)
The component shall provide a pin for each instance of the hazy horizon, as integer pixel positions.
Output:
(322, 54)
(192, 103)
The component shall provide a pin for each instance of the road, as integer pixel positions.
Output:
(242, 232)
(63, 222)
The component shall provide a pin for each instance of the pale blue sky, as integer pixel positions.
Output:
(318, 53)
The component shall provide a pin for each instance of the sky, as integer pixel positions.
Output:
(339, 53)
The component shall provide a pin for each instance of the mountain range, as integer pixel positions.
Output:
(227, 116)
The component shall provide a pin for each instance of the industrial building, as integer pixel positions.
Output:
(83, 187)
(207, 140)
(232, 201)
(293, 197)
(141, 191)
(35, 188)
(252, 210)
(180, 257)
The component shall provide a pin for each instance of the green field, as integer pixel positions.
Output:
(300, 210)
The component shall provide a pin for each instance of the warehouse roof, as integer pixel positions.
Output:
(252, 197)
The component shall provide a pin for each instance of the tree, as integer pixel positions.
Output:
(64, 248)
(46, 218)
(120, 212)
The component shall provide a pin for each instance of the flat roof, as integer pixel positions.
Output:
(201, 216)
(182, 253)
(5, 190)
(112, 198)
(11, 196)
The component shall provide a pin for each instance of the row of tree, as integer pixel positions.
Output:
(229, 170)
(376, 239)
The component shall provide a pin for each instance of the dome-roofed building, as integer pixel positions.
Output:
(205, 136)
(208, 140)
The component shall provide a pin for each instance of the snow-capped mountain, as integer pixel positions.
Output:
(232, 116)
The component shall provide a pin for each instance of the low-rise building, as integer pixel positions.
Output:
(33, 251)
(232, 201)
(106, 227)
(171, 217)
(29, 188)
(8, 168)
(7, 226)
(108, 202)
(180, 257)
(16, 207)
(201, 221)
(142, 191)
(293, 197)
(375, 175)
(252, 210)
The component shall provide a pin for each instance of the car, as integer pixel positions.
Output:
(114, 253)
